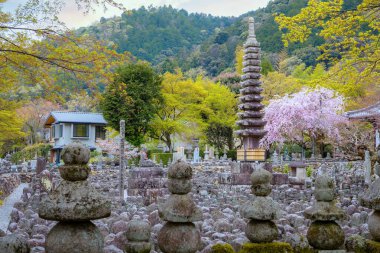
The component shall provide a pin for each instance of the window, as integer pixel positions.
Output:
(52, 133)
(100, 132)
(56, 131)
(80, 130)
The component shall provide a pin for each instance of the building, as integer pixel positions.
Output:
(68, 127)
(370, 114)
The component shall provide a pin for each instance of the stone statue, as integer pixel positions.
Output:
(324, 233)
(261, 212)
(180, 211)
(73, 204)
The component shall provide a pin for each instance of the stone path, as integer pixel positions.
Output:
(6, 208)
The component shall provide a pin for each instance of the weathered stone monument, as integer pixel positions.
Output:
(261, 212)
(138, 235)
(147, 181)
(371, 199)
(179, 234)
(367, 167)
(73, 204)
(122, 162)
(196, 158)
(324, 233)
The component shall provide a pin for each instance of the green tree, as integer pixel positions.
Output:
(351, 33)
(135, 96)
(179, 114)
(219, 116)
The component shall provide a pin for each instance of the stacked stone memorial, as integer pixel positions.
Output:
(371, 199)
(261, 212)
(74, 203)
(179, 234)
(138, 235)
(324, 233)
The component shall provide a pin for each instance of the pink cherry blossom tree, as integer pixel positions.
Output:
(310, 114)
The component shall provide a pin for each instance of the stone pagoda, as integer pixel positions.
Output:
(371, 199)
(74, 203)
(324, 233)
(251, 121)
(261, 211)
(179, 234)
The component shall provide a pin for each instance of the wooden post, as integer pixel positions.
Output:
(122, 151)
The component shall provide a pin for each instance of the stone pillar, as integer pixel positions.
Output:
(261, 212)
(324, 233)
(367, 167)
(179, 234)
(138, 235)
(122, 159)
(74, 203)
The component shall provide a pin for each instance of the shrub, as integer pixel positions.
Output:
(278, 247)
(222, 248)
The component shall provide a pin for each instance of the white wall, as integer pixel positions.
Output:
(67, 136)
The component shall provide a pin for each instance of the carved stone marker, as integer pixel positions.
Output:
(324, 233)
(74, 203)
(261, 211)
(179, 234)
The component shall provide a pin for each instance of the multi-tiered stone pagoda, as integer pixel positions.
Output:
(251, 121)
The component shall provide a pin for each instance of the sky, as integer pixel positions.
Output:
(75, 18)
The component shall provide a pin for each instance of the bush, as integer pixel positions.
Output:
(29, 152)
(222, 248)
(286, 169)
(164, 157)
(309, 171)
(278, 247)
(232, 154)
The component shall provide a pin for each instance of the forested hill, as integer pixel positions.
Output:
(200, 43)
(151, 33)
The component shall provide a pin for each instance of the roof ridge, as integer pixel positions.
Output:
(77, 112)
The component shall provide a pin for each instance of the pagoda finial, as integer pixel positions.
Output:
(251, 28)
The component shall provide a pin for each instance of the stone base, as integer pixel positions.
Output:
(179, 238)
(325, 235)
(261, 231)
(74, 237)
(278, 247)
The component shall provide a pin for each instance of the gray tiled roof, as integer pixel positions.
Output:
(370, 111)
(78, 117)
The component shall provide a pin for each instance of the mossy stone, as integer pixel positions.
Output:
(325, 235)
(261, 231)
(222, 248)
(179, 238)
(180, 170)
(278, 247)
(374, 225)
(372, 246)
(74, 172)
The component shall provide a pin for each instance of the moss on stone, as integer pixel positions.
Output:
(372, 247)
(304, 250)
(222, 248)
(278, 247)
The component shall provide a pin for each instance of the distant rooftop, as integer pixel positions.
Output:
(75, 117)
(372, 111)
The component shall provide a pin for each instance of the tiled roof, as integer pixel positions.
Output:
(368, 112)
(76, 117)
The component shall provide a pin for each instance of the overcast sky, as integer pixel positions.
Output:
(74, 18)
